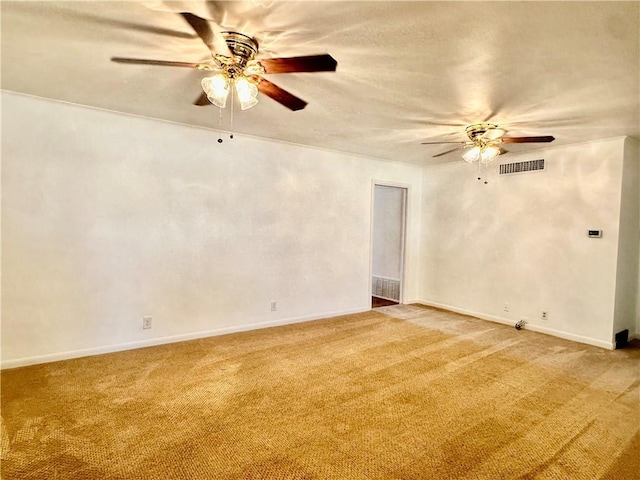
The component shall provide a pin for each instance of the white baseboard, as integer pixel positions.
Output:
(412, 300)
(55, 357)
(529, 326)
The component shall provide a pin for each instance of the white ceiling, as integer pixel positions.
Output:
(407, 72)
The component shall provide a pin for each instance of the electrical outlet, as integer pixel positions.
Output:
(146, 322)
(545, 315)
(274, 306)
(505, 308)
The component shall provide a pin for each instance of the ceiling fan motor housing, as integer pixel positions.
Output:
(478, 129)
(243, 47)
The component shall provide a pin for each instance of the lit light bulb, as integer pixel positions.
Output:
(217, 89)
(488, 153)
(472, 155)
(247, 93)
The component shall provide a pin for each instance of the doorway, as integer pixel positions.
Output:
(388, 244)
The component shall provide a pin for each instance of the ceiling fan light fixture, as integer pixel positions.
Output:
(472, 155)
(247, 93)
(488, 153)
(217, 89)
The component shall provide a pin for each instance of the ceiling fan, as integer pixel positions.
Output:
(485, 140)
(233, 58)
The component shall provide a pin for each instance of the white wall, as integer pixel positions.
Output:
(388, 231)
(522, 240)
(626, 306)
(107, 218)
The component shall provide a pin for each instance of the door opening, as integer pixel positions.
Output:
(388, 238)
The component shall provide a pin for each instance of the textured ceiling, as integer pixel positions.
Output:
(407, 72)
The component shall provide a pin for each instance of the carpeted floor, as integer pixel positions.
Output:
(402, 392)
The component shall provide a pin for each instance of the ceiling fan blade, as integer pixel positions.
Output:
(202, 100)
(213, 40)
(309, 63)
(143, 61)
(439, 143)
(448, 151)
(540, 139)
(280, 95)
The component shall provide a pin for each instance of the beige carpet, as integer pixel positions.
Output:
(402, 392)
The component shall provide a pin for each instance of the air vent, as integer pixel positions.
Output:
(522, 167)
(387, 288)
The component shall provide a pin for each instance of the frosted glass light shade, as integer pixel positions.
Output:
(472, 155)
(217, 89)
(489, 153)
(247, 93)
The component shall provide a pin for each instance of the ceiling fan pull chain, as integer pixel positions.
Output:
(220, 126)
(231, 113)
(479, 171)
(231, 125)
(486, 173)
